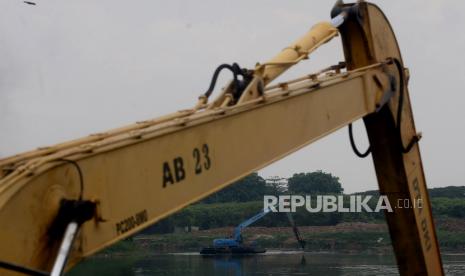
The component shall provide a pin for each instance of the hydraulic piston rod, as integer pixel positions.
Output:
(318, 35)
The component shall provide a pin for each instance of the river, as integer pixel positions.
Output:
(271, 263)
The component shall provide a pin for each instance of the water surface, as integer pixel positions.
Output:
(271, 263)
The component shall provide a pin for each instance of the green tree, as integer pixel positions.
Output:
(450, 192)
(314, 183)
(249, 188)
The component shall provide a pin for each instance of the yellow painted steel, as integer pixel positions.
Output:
(264, 73)
(368, 38)
(126, 176)
(141, 173)
(297, 51)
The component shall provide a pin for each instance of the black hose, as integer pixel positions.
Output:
(81, 177)
(354, 147)
(22, 269)
(239, 85)
(400, 105)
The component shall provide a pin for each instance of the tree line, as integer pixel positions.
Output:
(253, 187)
(244, 198)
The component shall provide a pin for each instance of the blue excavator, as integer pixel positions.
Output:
(235, 244)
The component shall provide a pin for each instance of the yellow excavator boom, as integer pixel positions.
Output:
(110, 185)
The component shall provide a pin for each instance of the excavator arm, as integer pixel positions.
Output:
(61, 204)
(244, 224)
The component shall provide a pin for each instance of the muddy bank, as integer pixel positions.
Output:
(357, 237)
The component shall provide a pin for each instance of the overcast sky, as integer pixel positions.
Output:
(71, 68)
